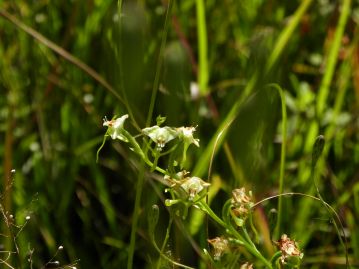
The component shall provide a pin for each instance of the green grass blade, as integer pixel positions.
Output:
(332, 58)
(282, 158)
(202, 165)
(60, 51)
(287, 33)
(156, 81)
(140, 182)
(203, 72)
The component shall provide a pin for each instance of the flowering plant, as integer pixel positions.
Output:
(188, 191)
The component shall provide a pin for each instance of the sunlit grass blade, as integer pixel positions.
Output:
(202, 165)
(278, 230)
(141, 175)
(332, 58)
(60, 51)
(203, 72)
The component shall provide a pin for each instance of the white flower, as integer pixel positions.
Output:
(115, 127)
(193, 186)
(160, 135)
(186, 133)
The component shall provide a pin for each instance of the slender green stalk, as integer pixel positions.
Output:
(343, 83)
(332, 58)
(165, 257)
(247, 242)
(136, 214)
(247, 237)
(282, 158)
(142, 153)
(339, 229)
(202, 164)
(60, 51)
(220, 135)
(167, 236)
(121, 64)
(136, 211)
(254, 230)
(156, 81)
(343, 80)
(317, 152)
(204, 206)
(203, 72)
(275, 257)
(287, 33)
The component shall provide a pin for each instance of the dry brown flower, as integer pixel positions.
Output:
(288, 248)
(239, 197)
(220, 245)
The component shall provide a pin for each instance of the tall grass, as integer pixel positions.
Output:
(64, 67)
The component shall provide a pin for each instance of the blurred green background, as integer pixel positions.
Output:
(51, 113)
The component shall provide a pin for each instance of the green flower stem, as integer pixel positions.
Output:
(332, 60)
(220, 135)
(287, 33)
(247, 237)
(254, 230)
(204, 206)
(155, 161)
(282, 158)
(136, 148)
(136, 215)
(139, 187)
(156, 81)
(249, 245)
(168, 151)
(275, 258)
(203, 72)
(167, 236)
(158, 169)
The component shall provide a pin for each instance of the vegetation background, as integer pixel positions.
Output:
(215, 66)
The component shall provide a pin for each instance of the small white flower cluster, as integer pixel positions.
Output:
(162, 135)
(191, 185)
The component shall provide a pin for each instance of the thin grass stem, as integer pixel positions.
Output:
(139, 188)
(202, 164)
(62, 52)
(203, 72)
(287, 33)
(159, 64)
(282, 158)
(332, 58)
(167, 236)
